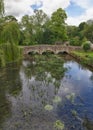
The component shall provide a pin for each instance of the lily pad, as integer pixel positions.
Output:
(57, 99)
(59, 125)
(48, 107)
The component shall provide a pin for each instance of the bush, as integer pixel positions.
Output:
(86, 46)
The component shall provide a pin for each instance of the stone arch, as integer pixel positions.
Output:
(62, 52)
(32, 52)
(48, 52)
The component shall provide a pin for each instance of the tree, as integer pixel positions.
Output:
(33, 27)
(10, 33)
(4, 22)
(72, 31)
(75, 41)
(58, 25)
(88, 32)
(40, 18)
(9, 18)
(26, 27)
(82, 26)
(1, 8)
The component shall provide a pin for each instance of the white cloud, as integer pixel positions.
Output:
(18, 8)
(84, 3)
(88, 14)
(49, 6)
(21, 7)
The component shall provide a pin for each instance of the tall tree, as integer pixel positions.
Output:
(58, 25)
(11, 33)
(26, 27)
(40, 18)
(1, 8)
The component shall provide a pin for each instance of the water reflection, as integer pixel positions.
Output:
(43, 91)
(9, 85)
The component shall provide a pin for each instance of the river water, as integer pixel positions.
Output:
(35, 100)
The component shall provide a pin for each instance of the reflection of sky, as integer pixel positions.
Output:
(77, 77)
(76, 80)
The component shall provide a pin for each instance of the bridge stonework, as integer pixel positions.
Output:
(53, 48)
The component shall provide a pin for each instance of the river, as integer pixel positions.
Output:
(53, 98)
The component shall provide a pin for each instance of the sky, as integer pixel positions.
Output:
(77, 10)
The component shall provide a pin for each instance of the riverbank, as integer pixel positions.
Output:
(84, 57)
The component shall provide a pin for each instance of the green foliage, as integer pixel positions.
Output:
(1, 8)
(9, 53)
(10, 33)
(75, 41)
(88, 32)
(72, 31)
(86, 46)
(40, 29)
(58, 26)
(33, 27)
(26, 27)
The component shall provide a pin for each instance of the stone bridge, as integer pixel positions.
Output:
(40, 49)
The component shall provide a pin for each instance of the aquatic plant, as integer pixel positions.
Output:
(71, 97)
(74, 113)
(57, 99)
(48, 107)
(59, 125)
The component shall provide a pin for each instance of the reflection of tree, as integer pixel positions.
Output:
(47, 71)
(88, 124)
(46, 68)
(49, 63)
(4, 103)
(14, 83)
(9, 83)
(91, 77)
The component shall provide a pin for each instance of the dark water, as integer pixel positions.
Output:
(25, 93)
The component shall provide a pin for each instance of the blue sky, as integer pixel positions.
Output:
(77, 10)
(74, 10)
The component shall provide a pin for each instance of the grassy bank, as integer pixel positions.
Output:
(84, 57)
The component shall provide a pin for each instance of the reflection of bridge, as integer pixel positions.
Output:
(53, 48)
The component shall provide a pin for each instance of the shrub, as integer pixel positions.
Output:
(86, 46)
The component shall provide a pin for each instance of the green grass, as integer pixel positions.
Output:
(84, 54)
(85, 57)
